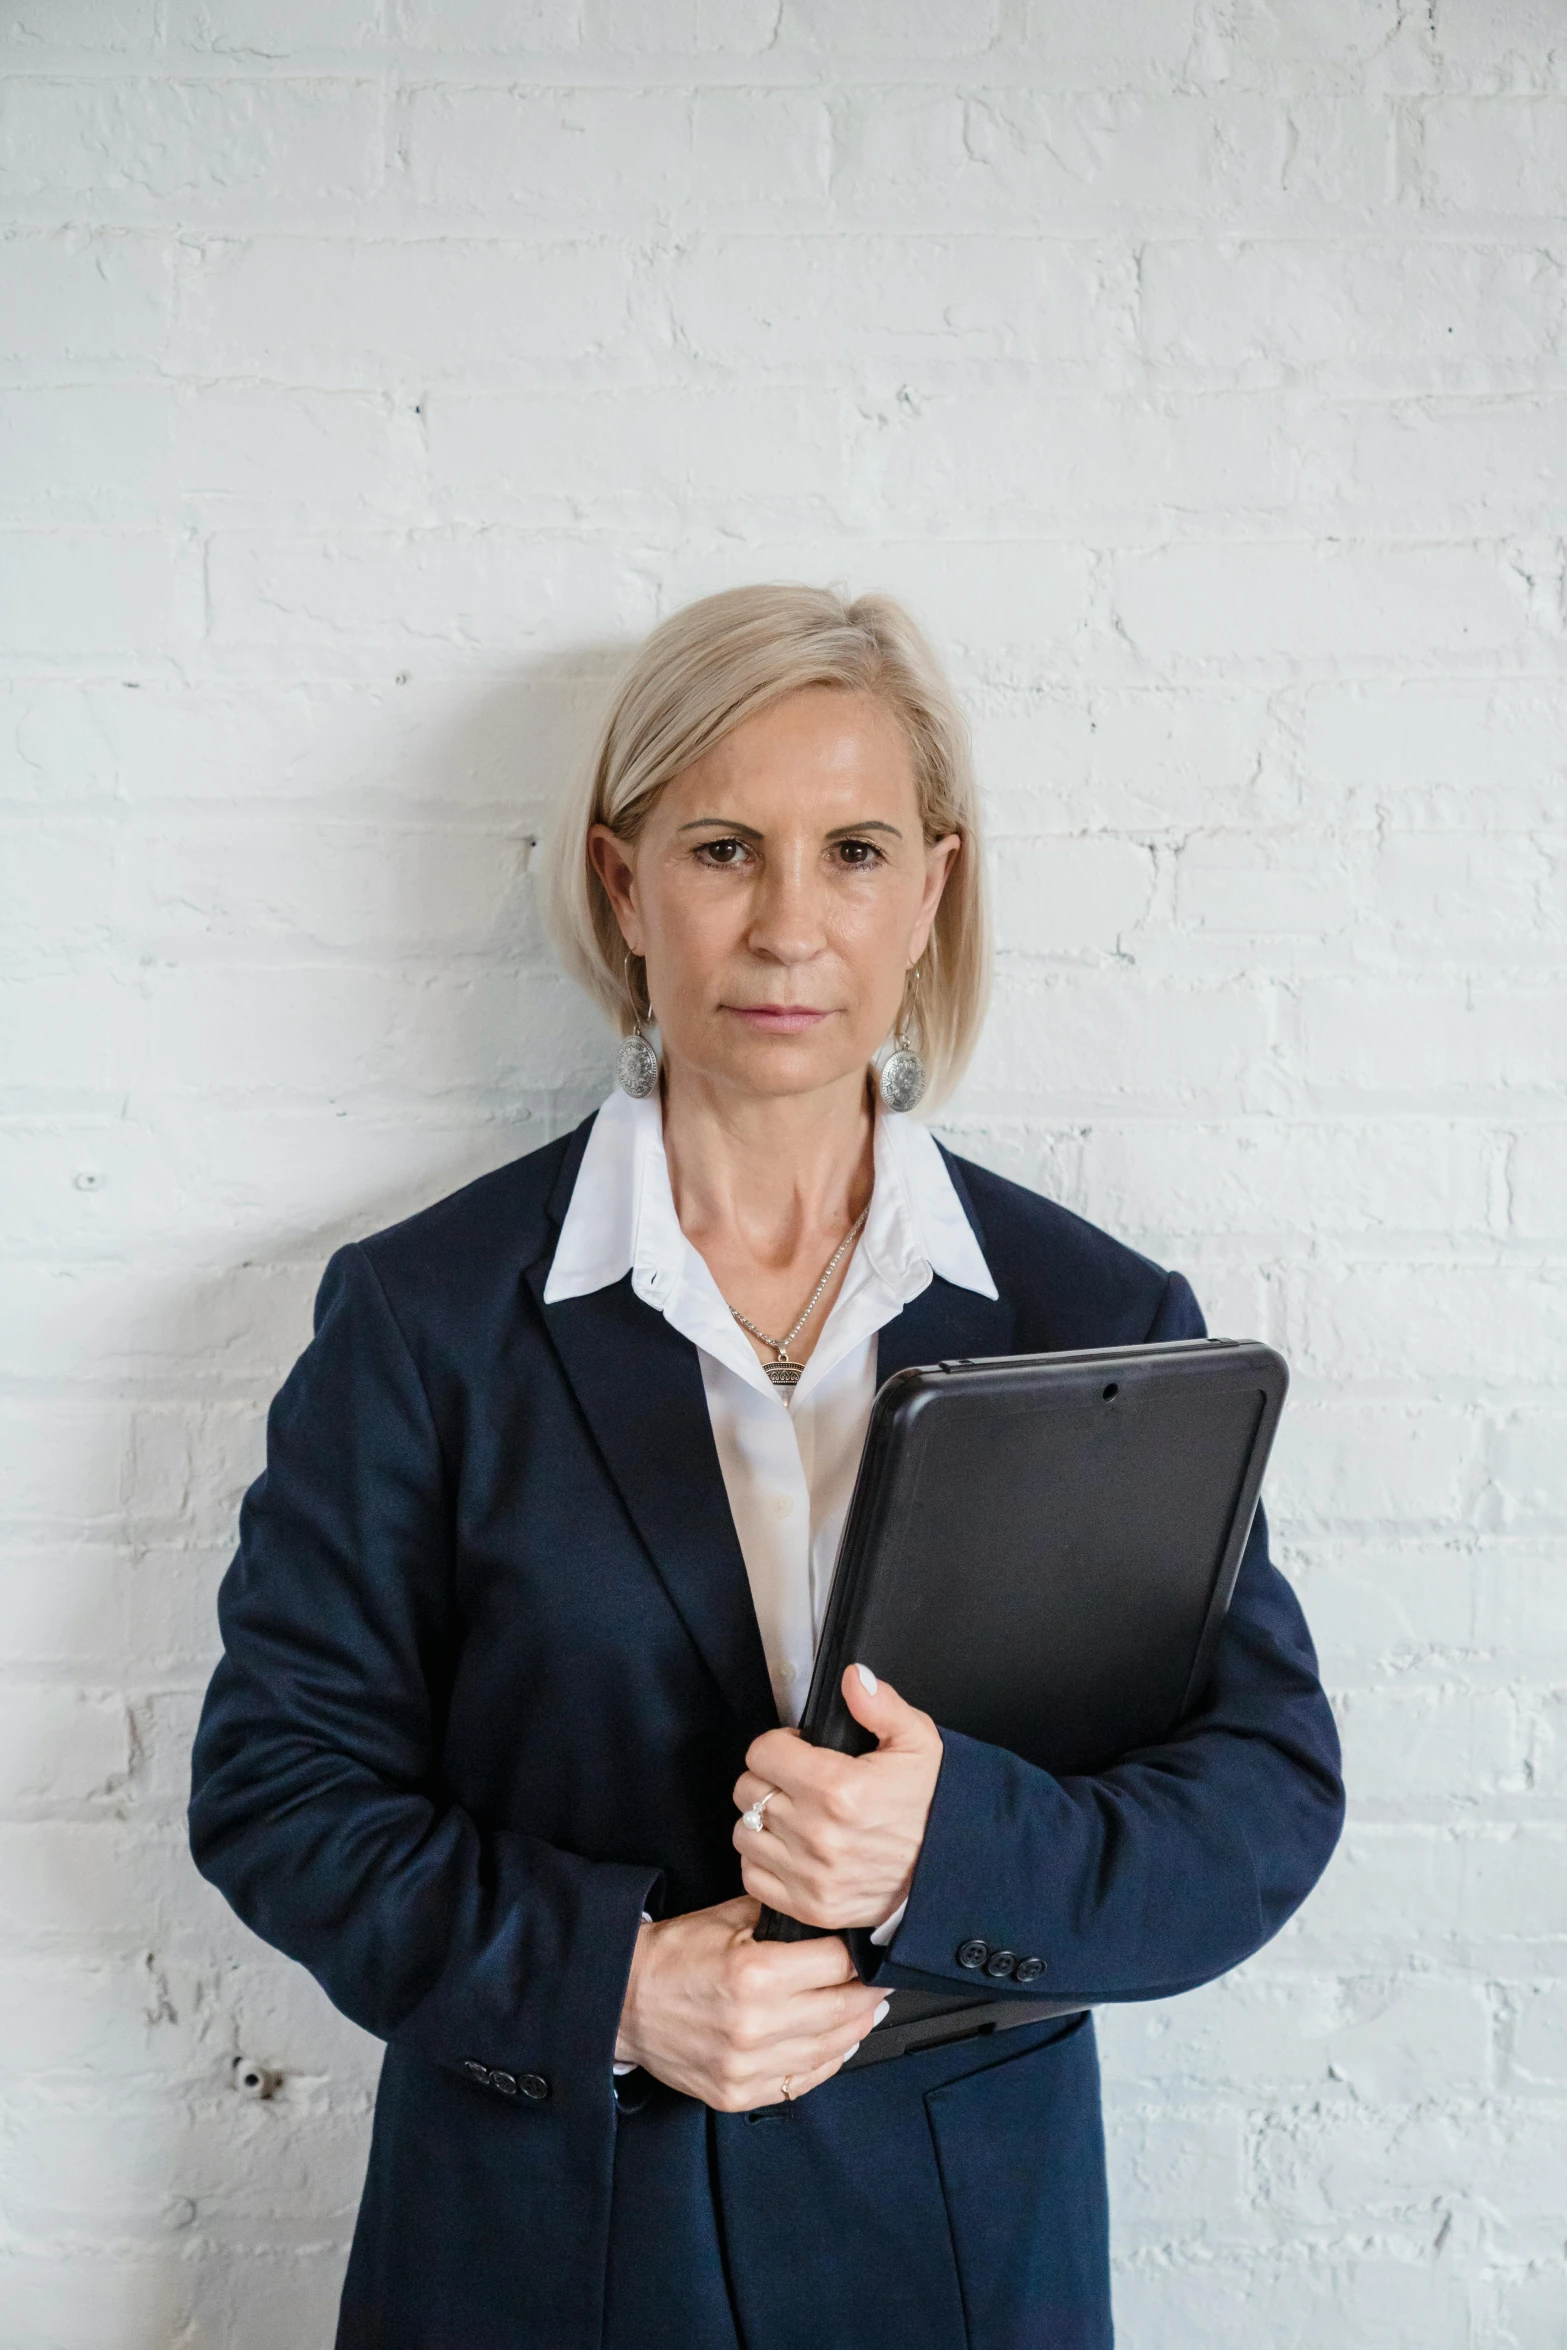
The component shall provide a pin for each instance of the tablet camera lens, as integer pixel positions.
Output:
(1111, 1391)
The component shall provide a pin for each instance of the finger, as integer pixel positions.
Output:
(801, 2084)
(803, 2076)
(771, 1743)
(749, 1789)
(774, 1843)
(764, 1883)
(783, 1846)
(795, 1897)
(811, 1966)
(841, 2011)
(820, 2074)
(782, 1759)
(877, 1707)
(807, 2064)
(803, 2030)
(834, 2027)
(768, 1841)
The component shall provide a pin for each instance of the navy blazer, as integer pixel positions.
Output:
(490, 1670)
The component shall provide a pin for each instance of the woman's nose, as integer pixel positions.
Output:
(788, 919)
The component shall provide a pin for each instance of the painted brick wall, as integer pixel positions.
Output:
(370, 372)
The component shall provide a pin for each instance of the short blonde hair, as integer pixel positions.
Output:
(698, 676)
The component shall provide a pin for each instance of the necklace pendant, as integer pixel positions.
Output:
(784, 1374)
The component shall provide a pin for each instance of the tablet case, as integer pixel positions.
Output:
(1040, 1548)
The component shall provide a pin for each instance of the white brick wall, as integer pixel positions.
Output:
(370, 371)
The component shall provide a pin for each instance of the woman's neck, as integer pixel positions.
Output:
(767, 1187)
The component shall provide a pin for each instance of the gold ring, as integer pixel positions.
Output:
(788, 2090)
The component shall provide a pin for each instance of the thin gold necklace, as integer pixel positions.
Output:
(783, 1373)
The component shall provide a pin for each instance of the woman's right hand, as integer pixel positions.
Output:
(729, 2020)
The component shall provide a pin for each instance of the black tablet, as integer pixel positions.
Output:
(1040, 1548)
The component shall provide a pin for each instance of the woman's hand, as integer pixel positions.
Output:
(735, 2022)
(841, 1833)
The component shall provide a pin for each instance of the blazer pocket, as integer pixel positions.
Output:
(1020, 2153)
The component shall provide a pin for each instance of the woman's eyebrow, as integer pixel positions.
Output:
(750, 832)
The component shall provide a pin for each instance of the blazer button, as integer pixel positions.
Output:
(1000, 1963)
(1028, 1970)
(477, 2072)
(973, 1954)
(505, 2082)
(534, 2085)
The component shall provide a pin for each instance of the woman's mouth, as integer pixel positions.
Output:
(777, 1019)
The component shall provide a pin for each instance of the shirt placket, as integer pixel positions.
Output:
(787, 1627)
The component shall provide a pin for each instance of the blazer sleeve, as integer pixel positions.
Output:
(1167, 1869)
(317, 1806)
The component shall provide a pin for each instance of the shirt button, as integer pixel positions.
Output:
(780, 1505)
(784, 1675)
(973, 1954)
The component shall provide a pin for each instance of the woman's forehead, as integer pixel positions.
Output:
(816, 747)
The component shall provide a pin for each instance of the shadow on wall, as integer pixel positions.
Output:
(410, 1031)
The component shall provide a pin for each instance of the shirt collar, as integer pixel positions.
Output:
(621, 1217)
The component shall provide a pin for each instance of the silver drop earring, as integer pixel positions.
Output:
(636, 1064)
(902, 1078)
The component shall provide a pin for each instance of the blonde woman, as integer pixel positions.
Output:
(523, 1611)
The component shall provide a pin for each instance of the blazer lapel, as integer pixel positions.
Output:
(639, 1384)
(942, 1323)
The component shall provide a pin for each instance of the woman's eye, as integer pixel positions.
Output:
(723, 853)
(858, 853)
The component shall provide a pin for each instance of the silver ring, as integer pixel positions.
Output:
(752, 1817)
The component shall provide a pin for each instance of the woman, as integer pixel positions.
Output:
(524, 1606)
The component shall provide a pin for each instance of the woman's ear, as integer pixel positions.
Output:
(940, 858)
(610, 861)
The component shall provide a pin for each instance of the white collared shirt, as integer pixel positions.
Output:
(788, 1457)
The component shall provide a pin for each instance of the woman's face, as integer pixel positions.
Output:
(780, 890)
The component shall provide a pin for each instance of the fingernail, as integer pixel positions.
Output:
(848, 2052)
(868, 1680)
(884, 2010)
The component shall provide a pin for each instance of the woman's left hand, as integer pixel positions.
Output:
(841, 1833)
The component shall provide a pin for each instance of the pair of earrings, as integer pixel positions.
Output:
(902, 1078)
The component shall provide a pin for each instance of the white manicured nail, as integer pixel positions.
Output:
(848, 2052)
(868, 1680)
(884, 2010)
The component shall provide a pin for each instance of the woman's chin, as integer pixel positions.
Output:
(774, 1067)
